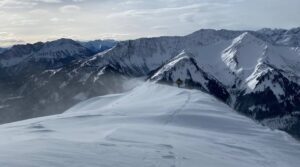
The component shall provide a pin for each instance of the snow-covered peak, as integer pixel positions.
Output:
(252, 81)
(17, 54)
(211, 36)
(54, 46)
(244, 53)
(222, 62)
(246, 38)
(184, 53)
(271, 32)
(182, 63)
(63, 45)
(185, 68)
(283, 37)
(46, 52)
(62, 41)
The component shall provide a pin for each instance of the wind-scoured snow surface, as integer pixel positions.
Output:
(151, 125)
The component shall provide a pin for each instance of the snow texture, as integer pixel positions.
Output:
(151, 125)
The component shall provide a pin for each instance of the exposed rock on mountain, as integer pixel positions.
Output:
(255, 72)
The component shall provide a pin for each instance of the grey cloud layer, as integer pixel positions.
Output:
(34, 20)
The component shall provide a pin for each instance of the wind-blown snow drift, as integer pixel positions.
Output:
(151, 125)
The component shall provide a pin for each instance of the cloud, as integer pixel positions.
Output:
(39, 12)
(49, 1)
(156, 11)
(58, 36)
(11, 4)
(11, 20)
(187, 17)
(25, 22)
(70, 9)
(54, 19)
(8, 39)
(16, 4)
(159, 27)
(35, 20)
(5, 34)
(114, 35)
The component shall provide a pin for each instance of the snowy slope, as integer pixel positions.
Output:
(284, 37)
(250, 70)
(50, 52)
(185, 68)
(178, 67)
(189, 128)
(229, 56)
(255, 72)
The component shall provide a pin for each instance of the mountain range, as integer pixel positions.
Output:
(254, 72)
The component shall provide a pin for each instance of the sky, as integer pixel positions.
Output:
(23, 21)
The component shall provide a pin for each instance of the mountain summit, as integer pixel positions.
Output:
(150, 125)
(254, 72)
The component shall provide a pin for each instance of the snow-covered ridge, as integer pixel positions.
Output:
(240, 63)
(244, 52)
(185, 68)
(180, 60)
(227, 56)
(152, 125)
(57, 50)
(283, 37)
(222, 53)
(49, 51)
(253, 71)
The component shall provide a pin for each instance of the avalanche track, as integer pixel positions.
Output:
(150, 126)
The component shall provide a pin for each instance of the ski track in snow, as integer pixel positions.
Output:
(174, 113)
(150, 126)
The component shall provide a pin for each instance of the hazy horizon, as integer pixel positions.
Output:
(29, 21)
